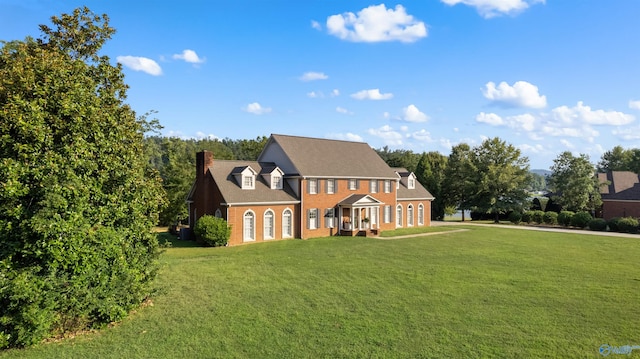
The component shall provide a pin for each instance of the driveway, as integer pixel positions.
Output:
(537, 228)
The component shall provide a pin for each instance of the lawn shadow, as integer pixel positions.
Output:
(169, 240)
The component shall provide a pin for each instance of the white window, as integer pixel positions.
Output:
(312, 218)
(268, 225)
(374, 217)
(411, 183)
(313, 186)
(353, 184)
(287, 230)
(387, 214)
(331, 186)
(399, 216)
(276, 182)
(397, 184)
(218, 213)
(374, 186)
(420, 214)
(387, 186)
(329, 218)
(247, 182)
(410, 215)
(249, 226)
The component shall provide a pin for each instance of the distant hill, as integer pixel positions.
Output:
(541, 172)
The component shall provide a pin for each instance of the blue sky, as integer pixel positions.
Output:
(546, 76)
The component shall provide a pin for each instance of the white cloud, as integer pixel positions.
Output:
(376, 23)
(312, 76)
(335, 93)
(583, 114)
(345, 137)
(373, 94)
(567, 144)
(140, 64)
(489, 118)
(201, 135)
(492, 8)
(256, 109)
(189, 56)
(387, 134)
(628, 134)
(422, 135)
(343, 111)
(412, 114)
(316, 25)
(314, 94)
(634, 104)
(404, 128)
(521, 94)
(537, 148)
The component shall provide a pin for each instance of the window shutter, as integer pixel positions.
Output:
(357, 184)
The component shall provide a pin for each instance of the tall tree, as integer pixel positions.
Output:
(616, 159)
(574, 183)
(400, 158)
(501, 176)
(431, 174)
(459, 184)
(77, 200)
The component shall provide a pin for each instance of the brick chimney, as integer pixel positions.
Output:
(204, 160)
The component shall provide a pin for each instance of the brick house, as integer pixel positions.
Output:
(620, 195)
(303, 187)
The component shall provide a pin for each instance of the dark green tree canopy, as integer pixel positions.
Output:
(574, 183)
(77, 201)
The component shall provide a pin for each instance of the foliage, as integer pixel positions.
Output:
(550, 218)
(537, 183)
(537, 216)
(246, 150)
(581, 219)
(613, 224)
(598, 224)
(527, 216)
(619, 159)
(459, 185)
(574, 183)
(500, 177)
(515, 217)
(400, 158)
(212, 231)
(564, 218)
(628, 225)
(77, 202)
(430, 172)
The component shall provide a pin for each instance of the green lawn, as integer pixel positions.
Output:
(486, 292)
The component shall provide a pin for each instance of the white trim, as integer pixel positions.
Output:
(244, 229)
(258, 203)
(284, 234)
(264, 224)
(410, 214)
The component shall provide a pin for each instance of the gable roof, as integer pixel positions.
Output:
(316, 157)
(232, 192)
(623, 185)
(404, 193)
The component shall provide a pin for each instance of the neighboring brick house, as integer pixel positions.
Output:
(303, 187)
(621, 194)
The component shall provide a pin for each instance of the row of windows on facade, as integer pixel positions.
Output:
(314, 185)
(313, 220)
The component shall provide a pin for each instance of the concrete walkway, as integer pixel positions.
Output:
(536, 228)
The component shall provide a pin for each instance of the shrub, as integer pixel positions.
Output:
(564, 218)
(628, 225)
(581, 219)
(212, 231)
(515, 217)
(597, 224)
(526, 217)
(550, 218)
(613, 224)
(537, 216)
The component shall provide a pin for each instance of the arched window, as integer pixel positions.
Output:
(410, 215)
(420, 214)
(218, 213)
(287, 224)
(249, 226)
(399, 216)
(268, 225)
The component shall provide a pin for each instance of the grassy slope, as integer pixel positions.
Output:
(487, 292)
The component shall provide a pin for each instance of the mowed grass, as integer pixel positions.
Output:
(486, 292)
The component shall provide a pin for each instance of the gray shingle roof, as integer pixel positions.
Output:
(232, 191)
(316, 157)
(624, 185)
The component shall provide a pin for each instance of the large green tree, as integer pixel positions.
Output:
(620, 159)
(460, 175)
(574, 184)
(77, 201)
(431, 173)
(501, 178)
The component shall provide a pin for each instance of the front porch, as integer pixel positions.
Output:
(359, 216)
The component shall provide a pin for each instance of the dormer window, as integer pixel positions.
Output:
(276, 182)
(411, 183)
(248, 182)
(273, 176)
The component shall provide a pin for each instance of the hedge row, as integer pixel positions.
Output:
(580, 220)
